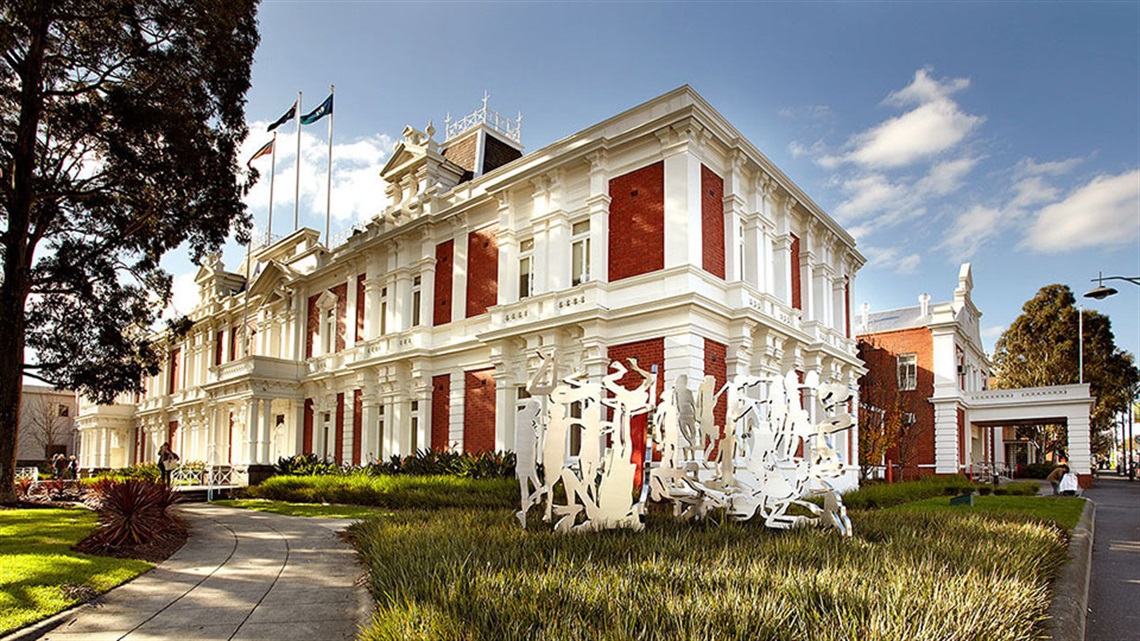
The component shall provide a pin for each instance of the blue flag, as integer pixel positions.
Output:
(318, 113)
(284, 119)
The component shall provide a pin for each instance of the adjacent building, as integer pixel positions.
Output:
(660, 233)
(927, 368)
(47, 425)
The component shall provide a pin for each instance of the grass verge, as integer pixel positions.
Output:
(1064, 511)
(906, 574)
(319, 510)
(39, 573)
(390, 491)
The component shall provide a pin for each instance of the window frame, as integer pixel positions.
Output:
(907, 378)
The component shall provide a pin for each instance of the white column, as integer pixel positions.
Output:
(369, 443)
(504, 412)
(267, 425)
(683, 233)
(459, 265)
(252, 408)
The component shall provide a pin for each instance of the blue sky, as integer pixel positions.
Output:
(1004, 134)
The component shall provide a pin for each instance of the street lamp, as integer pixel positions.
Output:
(1100, 292)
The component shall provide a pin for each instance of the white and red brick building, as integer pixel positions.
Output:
(659, 233)
(931, 356)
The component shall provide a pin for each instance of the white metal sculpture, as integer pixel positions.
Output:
(766, 458)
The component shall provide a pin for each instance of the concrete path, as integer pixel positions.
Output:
(242, 575)
(1114, 589)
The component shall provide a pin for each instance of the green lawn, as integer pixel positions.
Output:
(306, 509)
(40, 575)
(1062, 510)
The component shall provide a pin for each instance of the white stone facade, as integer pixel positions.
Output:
(362, 320)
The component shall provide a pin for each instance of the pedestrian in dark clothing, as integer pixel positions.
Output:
(73, 468)
(59, 466)
(167, 461)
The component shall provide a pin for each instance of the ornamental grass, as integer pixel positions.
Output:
(474, 574)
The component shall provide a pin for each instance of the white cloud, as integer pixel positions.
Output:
(973, 228)
(992, 331)
(1032, 191)
(1103, 213)
(357, 191)
(946, 177)
(185, 295)
(933, 126)
(1030, 167)
(890, 258)
(868, 194)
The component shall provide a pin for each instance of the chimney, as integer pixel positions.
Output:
(924, 303)
(866, 313)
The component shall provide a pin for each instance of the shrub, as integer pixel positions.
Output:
(23, 486)
(389, 491)
(305, 465)
(132, 512)
(888, 494)
(1037, 470)
(481, 465)
(145, 471)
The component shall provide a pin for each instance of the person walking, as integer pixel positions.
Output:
(1055, 477)
(59, 466)
(73, 468)
(167, 461)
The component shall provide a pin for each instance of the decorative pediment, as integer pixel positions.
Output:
(327, 300)
(270, 279)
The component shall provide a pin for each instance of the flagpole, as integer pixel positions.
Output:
(328, 196)
(272, 176)
(297, 187)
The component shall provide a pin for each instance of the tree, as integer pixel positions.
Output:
(121, 121)
(884, 412)
(47, 426)
(1041, 348)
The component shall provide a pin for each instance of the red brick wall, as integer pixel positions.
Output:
(172, 434)
(716, 367)
(479, 411)
(648, 353)
(794, 266)
(360, 307)
(880, 357)
(233, 342)
(307, 429)
(440, 411)
(341, 293)
(444, 271)
(312, 327)
(497, 153)
(961, 436)
(338, 439)
(637, 222)
(482, 270)
(712, 222)
(172, 383)
(462, 153)
(219, 345)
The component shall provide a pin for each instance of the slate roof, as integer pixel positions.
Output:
(895, 319)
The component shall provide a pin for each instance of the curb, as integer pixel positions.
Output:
(40, 628)
(1069, 609)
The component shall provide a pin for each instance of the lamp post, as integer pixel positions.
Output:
(1101, 292)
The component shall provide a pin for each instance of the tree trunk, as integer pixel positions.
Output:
(17, 253)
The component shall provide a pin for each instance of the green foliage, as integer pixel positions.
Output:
(471, 574)
(1037, 470)
(131, 512)
(482, 465)
(305, 465)
(401, 491)
(1041, 348)
(882, 495)
(37, 560)
(145, 471)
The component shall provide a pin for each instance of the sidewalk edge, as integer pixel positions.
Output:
(1069, 609)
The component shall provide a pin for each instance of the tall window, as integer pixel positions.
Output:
(580, 253)
(383, 310)
(417, 283)
(908, 371)
(526, 268)
(415, 426)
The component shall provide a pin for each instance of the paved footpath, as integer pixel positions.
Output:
(242, 575)
(1114, 583)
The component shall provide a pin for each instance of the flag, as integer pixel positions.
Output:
(265, 150)
(318, 113)
(284, 119)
